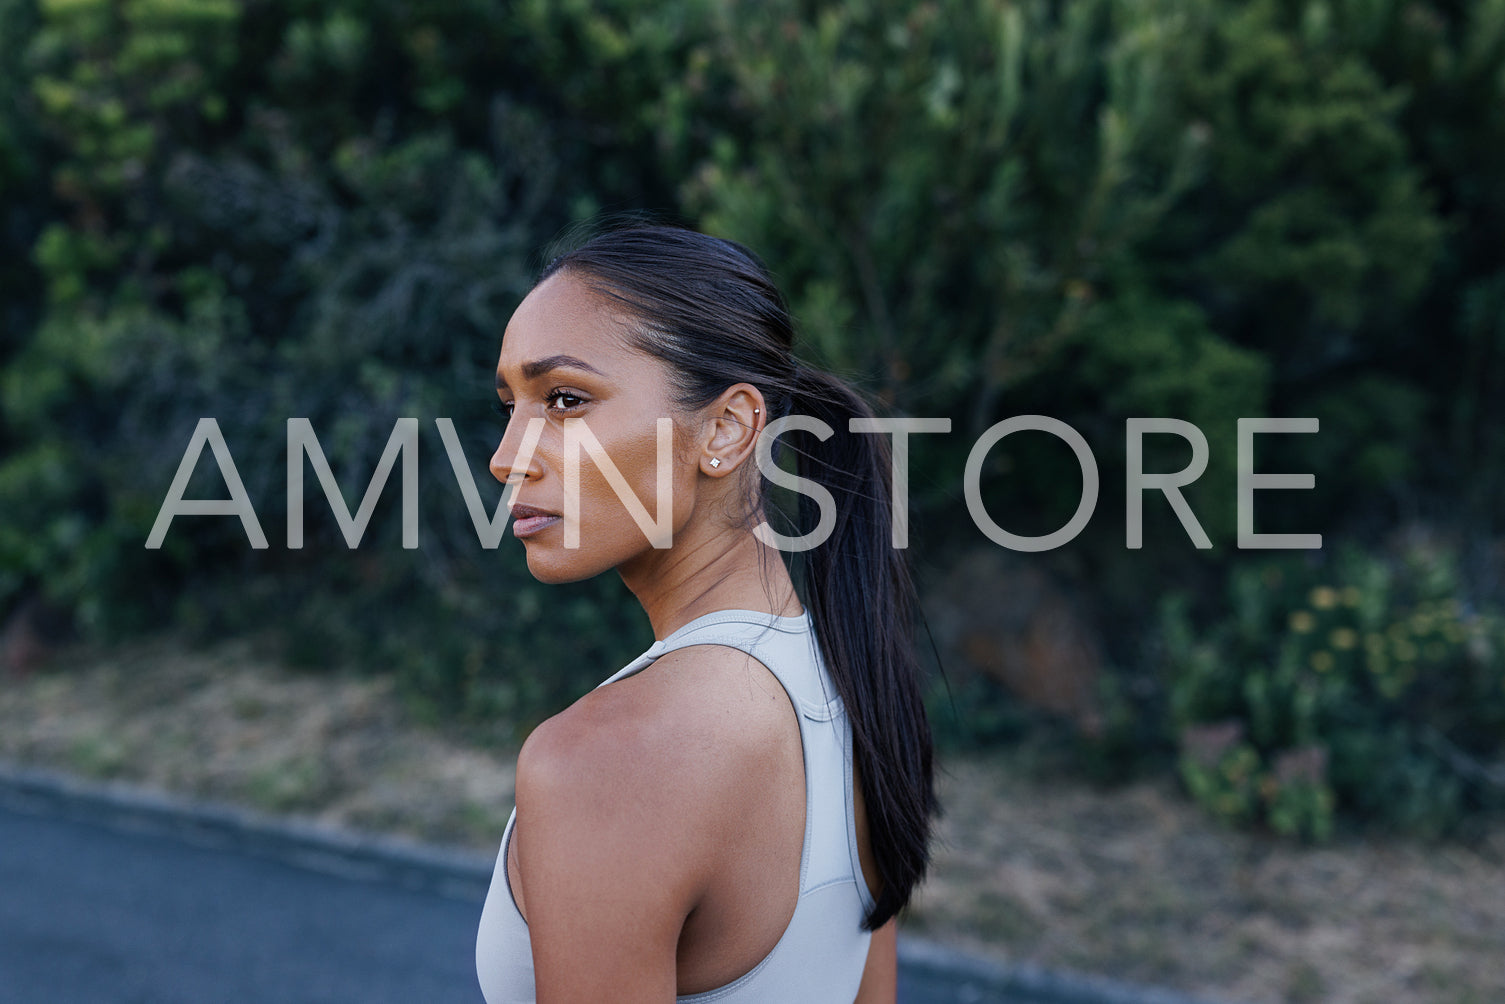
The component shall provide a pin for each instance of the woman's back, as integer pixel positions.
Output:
(804, 947)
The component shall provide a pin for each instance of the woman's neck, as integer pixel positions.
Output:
(728, 569)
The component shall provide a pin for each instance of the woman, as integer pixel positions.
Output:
(738, 814)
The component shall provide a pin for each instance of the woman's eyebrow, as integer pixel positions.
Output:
(537, 368)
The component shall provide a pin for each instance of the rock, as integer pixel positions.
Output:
(1008, 618)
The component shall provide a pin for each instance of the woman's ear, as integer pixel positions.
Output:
(733, 422)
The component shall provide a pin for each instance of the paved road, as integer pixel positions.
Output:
(91, 913)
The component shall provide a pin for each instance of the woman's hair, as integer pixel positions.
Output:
(709, 309)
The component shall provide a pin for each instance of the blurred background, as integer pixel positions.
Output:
(1092, 210)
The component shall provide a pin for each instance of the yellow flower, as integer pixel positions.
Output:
(1344, 639)
(1322, 660)
(1324, 597)
(1302, 621)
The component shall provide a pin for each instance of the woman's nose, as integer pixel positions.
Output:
(515, 458)
(504, 465)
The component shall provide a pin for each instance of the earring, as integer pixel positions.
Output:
(715, 461)
(756, 410)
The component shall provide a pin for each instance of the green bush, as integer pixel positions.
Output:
(1185, 207)
(246, 246)
(1099, 209)
(1360, 686)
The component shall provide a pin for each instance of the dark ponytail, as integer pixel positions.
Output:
(709, 309)
(862, 602)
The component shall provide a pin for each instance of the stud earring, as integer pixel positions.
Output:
(756, 410)
(715, 461)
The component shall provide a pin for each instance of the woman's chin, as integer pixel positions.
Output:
(555, 569)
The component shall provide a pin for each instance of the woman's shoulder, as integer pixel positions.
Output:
(655, 768)
(694, 730)
(680, 720)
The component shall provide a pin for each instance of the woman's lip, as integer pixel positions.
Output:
(527, 526)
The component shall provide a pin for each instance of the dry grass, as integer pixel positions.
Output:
(228, 726)
(1032, 865)
(1135, 883)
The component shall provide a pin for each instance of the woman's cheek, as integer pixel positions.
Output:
(607, 512)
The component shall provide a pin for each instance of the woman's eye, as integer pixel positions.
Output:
(558, 400)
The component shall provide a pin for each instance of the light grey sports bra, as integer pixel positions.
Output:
(822, 952)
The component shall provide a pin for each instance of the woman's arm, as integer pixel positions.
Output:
(608, 863)
(880, 977)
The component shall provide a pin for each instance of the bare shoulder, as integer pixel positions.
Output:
(628, 805)
(663, 759)
(667, 732)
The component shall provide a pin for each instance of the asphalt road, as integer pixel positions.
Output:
(100, 914)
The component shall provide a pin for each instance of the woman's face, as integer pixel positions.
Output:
(565, 356)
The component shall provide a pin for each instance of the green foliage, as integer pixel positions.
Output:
(1141, 356)
(945, 187)
(635, 87)
(1364, 687)
(260, 273)
(23, 183)
(1333, 229)
(1224, 778)
(1447, 58)
(1094, 210)
(1179, 208)
(18, 22)
(115, 80)
(970, 712)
